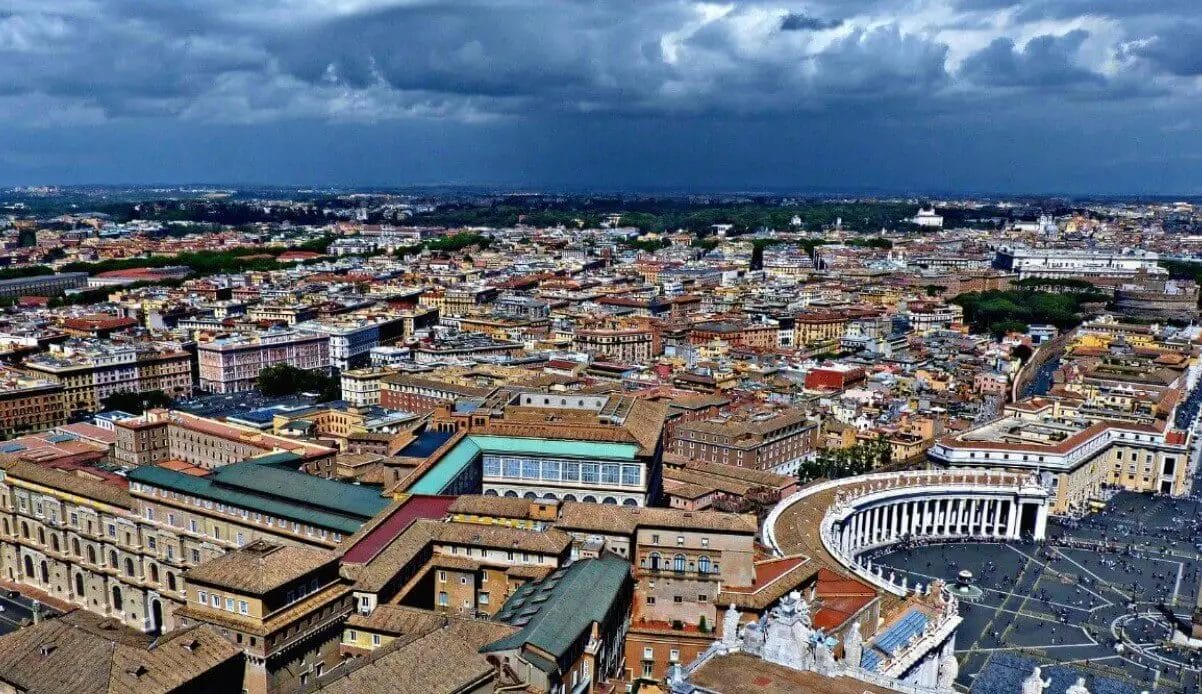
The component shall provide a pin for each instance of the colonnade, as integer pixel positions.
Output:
(889, 520)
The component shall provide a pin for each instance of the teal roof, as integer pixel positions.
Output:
(448, 467)
(279, 458)
(453, 462)
(278, 492)
(554, 613)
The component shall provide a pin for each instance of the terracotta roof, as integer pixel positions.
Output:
(406, 666)
(84, 653)
(551, 541)
(626, 519)
(397, 620)
(76, 484)
(740, 673)
(259, 567)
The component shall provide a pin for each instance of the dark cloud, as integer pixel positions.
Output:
(1176, 48)
(849, 68)
(1045, 61)
(800, 21)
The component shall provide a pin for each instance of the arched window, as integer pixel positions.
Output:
(41, 536)
(28, 567)
(117, 603)
(54, 543)
(678, 562)
(24, 530)
(170, 581)
(654, 561)
(154, 573)
(129, 567)
(113, 560)
(79, 591)
(91, 554)
(45, 573)
(75, 546)
(703, 565)
(7, 531)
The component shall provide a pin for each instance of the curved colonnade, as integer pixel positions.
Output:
(838, 521)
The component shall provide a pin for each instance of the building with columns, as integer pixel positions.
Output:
(841, 520)
(1075, 459)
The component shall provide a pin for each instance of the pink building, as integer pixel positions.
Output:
(231, 365)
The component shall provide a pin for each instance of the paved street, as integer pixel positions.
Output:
(1096, 584)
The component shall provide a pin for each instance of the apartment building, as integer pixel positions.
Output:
(353, 337)
(28, 404)
(282, 605)
(159, 436)
(770, 441)
(91, 370)
(627, 345)
(415, 393)
(362, 387)
(684, 565)
(231, 364)
(119, 546)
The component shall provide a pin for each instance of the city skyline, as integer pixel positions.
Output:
(930, 95)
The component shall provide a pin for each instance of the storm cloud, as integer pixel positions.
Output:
(748, 69)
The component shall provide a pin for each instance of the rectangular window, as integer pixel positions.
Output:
(442, 599)
(571, 472)
(630, 475)
(484, 598)
(149, 514)
(609, 474)
(203, 597)
(492, 466)
(375, 639)
(513, 469)
(243, 608)
(589, 473)
(648, 653)
(229, 604)
(215, 600)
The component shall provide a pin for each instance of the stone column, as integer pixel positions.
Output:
(1016, 514)
(1041, 522)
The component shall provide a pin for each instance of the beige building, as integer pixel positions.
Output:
(92, 370)
(282, 605)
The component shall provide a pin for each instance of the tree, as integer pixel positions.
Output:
(284, 379)
(137, 403)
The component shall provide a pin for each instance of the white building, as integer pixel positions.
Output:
(928, 218)
(1077, 263)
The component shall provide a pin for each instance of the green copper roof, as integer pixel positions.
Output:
(454, 461)
(448, 467)
(278, 492)
(557, 611)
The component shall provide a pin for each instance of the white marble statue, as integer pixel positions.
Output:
(824, 659)
(753, 638)
(949, 669)
(1035, 683)
(853, 645)
(730, 627)
(1078, 688)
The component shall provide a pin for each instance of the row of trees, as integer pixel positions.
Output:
(1002, 311)
(863, 457)
(285, 379)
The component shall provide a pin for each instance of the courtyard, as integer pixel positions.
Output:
(1096, 599)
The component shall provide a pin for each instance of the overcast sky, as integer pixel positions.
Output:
(894, 95)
